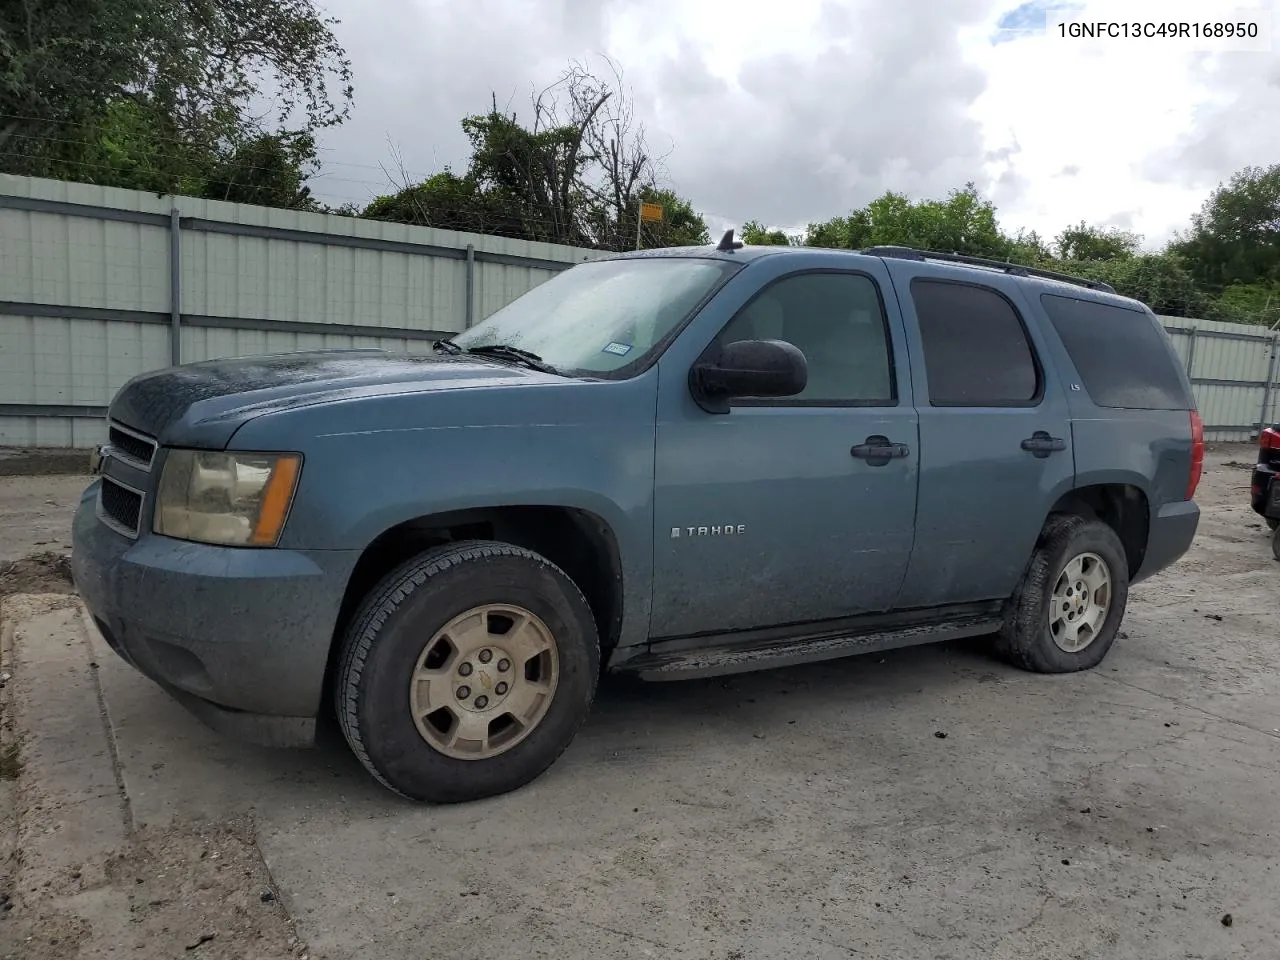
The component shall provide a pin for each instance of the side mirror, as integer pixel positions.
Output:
(748, 368)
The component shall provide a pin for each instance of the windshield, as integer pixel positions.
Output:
(597, 318)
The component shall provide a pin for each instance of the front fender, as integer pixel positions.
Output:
(373, 463)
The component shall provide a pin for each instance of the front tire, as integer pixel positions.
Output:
(1066, 611)
(466, 672)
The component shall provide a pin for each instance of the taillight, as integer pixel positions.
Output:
(1197, 454)
(1269, 439)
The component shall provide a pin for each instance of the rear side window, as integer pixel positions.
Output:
(1121, 356)
(976, 352)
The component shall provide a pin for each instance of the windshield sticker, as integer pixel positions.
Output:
(617, 349)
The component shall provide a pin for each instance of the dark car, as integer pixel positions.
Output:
(1264, 493)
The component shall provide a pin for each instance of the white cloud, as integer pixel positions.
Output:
(797, 111)
(1145, 128)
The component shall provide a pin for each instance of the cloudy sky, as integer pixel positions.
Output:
(795, 111)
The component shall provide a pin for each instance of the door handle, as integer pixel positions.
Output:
(1041, 444)
(878, 450)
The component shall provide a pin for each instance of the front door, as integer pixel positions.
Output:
(995, 435)
(784, 511)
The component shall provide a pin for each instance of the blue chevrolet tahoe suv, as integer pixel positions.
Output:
(672, 463)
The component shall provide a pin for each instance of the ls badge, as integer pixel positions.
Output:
(727, 530)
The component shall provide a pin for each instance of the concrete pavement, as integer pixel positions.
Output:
(813, 812)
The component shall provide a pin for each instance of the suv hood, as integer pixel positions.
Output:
(203, 404)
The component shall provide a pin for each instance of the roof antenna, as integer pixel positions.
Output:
(727, 242)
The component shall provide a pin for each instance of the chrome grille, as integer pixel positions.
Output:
(119, 507)
(130, 445)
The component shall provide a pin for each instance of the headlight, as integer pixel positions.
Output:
(238, 499)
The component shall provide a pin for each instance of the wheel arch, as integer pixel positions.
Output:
(578, 541)
(1124, 507)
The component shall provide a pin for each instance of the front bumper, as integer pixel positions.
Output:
(239, 636)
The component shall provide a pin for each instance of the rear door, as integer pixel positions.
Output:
(995, 432)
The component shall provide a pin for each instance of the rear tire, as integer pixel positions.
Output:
(1051, 625)
(466, 672)
(1272, 523)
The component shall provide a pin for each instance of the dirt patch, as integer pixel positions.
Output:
(200, 891)
(10, 768)
(205, 889)
(46, 572)
(17, 462)
(188, 889)
(10, 750)
(10, 760)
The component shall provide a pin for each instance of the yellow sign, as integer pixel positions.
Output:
(651, 212)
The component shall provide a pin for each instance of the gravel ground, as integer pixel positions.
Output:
(925, 803)
(35, 517)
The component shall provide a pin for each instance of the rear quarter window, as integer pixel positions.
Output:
(1121, 355)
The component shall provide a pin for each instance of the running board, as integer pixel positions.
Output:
(741, 657)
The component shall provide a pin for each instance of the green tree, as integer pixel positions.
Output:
(1085, 242)
(131, 146)
(1227, 267)
(1248, 303)
(1027, 247)
(1161, 281)
(532, 172)
(137, 149)
(574, 173)
(1235, 238)
(105, 90)
(756, 233)
(61, 63)
(965, 222)
(448, 202)
(836, 233)
(681, 225)
(270, 170)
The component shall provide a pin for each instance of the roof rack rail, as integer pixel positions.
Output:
(1014, 269)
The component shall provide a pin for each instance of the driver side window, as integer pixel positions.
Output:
(836, 321)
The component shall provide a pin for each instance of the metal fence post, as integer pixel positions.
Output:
(175, 287)
(471, 285)
(1266, 389)
(1191, 351)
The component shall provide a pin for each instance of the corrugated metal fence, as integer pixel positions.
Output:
(99, 284)
(1234, 375)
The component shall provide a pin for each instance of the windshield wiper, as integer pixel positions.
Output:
(514, 354)
(446, 346)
